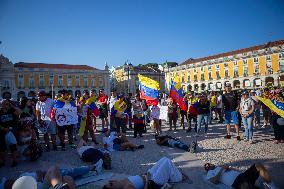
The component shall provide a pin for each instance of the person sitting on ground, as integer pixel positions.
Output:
(236, 179)
(160, 174)
(113, 141)
(88, 153)
(53, 178)
(166, 140)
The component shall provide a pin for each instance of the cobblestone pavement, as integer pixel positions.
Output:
(212, 147)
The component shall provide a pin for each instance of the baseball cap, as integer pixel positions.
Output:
(25, 182)
(228, 84)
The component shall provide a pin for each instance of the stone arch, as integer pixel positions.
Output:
(269, 81)
(236, 84)
(7, 95)
(77, 93)
(246, 83)
(218, 85)
(32, 94)
(257, 82)
(21, 94)
(196, 87)
(203, 86)
(189, 87)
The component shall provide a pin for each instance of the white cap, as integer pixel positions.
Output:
(25, 182)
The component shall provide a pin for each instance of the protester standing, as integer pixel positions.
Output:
(172, 113)
(230, 102)
(203, 108)
(111, 102)
(138, 115)
(102, 101)
(247, 112)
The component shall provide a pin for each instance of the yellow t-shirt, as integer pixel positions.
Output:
(214, 101)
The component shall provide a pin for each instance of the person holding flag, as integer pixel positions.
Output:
(192, 110)
(119, 111)
(63, 120)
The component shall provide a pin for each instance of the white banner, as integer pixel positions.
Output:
(66, 115)
(163, 112)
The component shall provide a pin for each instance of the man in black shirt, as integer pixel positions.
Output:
(231, 105)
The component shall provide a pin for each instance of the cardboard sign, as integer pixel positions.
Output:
(66, 116)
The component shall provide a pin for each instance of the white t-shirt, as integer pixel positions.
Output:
(219, 102)
(227, 177)
(155, 112)
(82, 149)
(109, 141)
(45, 108)
(246, 105)
(111, 101)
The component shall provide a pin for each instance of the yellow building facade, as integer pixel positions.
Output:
(253, 67)
(33, 77)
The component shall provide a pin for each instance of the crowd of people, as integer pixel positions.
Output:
(21, 123)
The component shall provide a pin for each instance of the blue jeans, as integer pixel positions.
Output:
(75, 172)
(248, 127)
(174, 143)
(201, 117)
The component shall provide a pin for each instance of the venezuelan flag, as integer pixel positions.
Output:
(118, 108)
(176, 93)
(149, 90)
(275, 106)
(61, 102)
(91, 103)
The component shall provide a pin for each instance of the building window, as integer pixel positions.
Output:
(195, 78)
(77, 81)
(60, 81)
(85, 81)
(32, 81)
(268, 58)
(236, 69)
(93, 82)
(245, 71)
(256, 66)
(69, 81)
(51, 79)
(202, 77)
(281, 55)
(255, 59)
(269, 67)
(41, 81)
(6, 84)
(281, 64)
(21, 81)
(209, 68)
(210, 76)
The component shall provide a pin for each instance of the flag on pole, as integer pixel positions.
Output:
(149, 90)
(91, 102)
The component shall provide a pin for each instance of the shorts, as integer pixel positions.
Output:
(103, 112)
(47, 127)
(231, 115)
(246, 179)
(62, 129)
(117, 147)
(92, 155)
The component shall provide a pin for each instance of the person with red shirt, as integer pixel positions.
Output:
(102, 101)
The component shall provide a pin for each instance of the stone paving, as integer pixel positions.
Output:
(212, 147)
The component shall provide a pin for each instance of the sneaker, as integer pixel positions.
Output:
(140, 146)
(245, 140)
(193, 147)
(227, 137)
(251, 141)
(238, 138)
(47, 148)
(276, 141)
(72, 145)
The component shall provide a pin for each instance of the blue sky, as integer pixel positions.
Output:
(95, 31)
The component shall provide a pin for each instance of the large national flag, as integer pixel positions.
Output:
(149, 90)
(176, 93)
(91, 102)
(275, 106)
